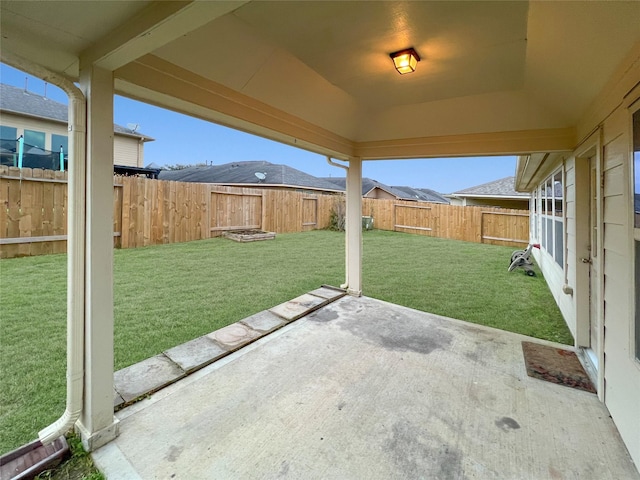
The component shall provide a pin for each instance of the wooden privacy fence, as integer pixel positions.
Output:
(496, 226)
(33, 213)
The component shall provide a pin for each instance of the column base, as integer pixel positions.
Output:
(354, 293)
(93, 441)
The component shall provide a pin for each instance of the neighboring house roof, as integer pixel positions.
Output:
(136, 171)
(367, 185)
(255, 173)
(21, 102)
(423, 194)
(502, 188)
(401, 193)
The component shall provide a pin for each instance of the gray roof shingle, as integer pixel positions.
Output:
(245, 173)
(20, 101)
(504, 187)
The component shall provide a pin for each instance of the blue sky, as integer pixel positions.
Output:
(180, 139)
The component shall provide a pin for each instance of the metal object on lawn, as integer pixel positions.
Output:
(522, 259)
(32, 459)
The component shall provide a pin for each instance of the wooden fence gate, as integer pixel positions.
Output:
(412, 217)
(494, 225)
(309, 213)
(235, 211)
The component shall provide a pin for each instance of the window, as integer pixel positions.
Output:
(558, 213)
(548, 219)
(33, 139)
(58, 141)
(8, 137)
(534, 216)
(636, 202)
(548, 214)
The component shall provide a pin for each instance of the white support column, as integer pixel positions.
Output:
(354, 227)
(97, 425)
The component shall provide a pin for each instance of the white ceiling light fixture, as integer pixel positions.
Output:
(405, 60)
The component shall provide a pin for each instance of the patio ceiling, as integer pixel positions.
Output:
(495, 77)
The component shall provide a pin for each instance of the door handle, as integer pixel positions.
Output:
(585, 260)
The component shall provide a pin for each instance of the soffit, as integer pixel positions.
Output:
(487, 67)
(55, 33)
(574, 48)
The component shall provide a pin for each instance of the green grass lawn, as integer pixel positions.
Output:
(167, 295)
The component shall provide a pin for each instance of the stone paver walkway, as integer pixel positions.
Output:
(157, 372)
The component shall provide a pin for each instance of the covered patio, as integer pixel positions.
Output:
(365, 386)
(366, 389)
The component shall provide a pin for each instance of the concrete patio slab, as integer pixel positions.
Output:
(234, 336)
(365, 389)
(196, 353)
(146, 376)
(263, 322)
(298, 307)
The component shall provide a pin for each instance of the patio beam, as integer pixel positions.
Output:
(156, 81)
(495, 143)
(97, 425)
(156, 25)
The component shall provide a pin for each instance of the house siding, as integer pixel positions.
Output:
(21, 123)
(621, 374)
(379, 193)
(127, 151)
(614, 260)
(496, 202)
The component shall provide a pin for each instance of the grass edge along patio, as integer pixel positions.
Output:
(167, 295)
